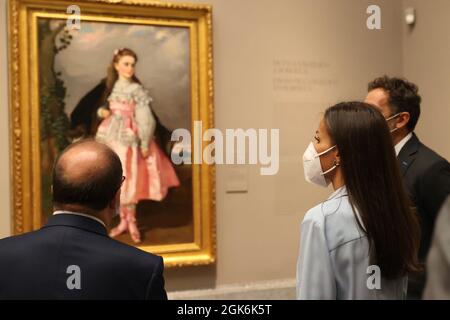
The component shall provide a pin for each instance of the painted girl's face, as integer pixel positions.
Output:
(125, 67)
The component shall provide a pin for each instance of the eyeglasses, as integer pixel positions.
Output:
(121, 183)
(393, 116)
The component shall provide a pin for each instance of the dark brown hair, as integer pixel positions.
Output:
(403, 97)
(112, 74)
(375, 187)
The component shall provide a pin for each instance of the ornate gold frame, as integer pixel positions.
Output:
(24, 107)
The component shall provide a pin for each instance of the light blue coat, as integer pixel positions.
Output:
(334, 257)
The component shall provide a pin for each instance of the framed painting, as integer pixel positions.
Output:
(64, 76)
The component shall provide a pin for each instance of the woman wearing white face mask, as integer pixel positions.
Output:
(362, 242)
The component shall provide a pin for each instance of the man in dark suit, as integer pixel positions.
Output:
(72, 257)
(426, 174)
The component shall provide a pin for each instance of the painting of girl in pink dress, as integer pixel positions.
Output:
(128, 86)
(128, 127)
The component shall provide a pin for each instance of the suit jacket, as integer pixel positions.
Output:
(427, 178)
(72, 257)
(438, 261)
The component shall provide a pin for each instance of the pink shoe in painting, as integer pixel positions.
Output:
(132, 226)
(122, 227)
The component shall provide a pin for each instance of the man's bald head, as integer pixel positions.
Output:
(88, 174)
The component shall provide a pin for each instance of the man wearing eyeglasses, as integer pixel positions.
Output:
(426, 174)
(72, 256)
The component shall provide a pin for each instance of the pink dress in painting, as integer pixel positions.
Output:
(128, 130)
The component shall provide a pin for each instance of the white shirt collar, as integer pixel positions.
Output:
(398, 147)
(342, 191)
(79, 214)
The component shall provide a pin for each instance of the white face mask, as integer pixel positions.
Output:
(393, 117)
(313, 168)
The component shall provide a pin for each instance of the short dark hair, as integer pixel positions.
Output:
(94, 192)
(403, 97)
(374, 186)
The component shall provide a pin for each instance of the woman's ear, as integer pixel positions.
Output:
(116, 67)
(337, 156)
